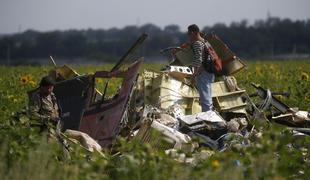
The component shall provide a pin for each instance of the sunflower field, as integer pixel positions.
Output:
(25, 153)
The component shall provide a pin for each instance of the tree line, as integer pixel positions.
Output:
(263, 39)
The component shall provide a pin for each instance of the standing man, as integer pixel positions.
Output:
(201, 78)
(43, 104)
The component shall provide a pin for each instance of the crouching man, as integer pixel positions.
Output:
(43, 103)
(44, 108)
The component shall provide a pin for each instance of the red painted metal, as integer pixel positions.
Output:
(102, 120)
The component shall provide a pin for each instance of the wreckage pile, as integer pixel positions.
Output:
(162, 108)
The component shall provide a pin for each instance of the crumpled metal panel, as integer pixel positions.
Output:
(71, 96)
(210, 123)
(102, 120)
(164, 91)
(225, 100)
(230, 62)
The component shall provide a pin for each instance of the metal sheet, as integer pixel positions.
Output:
(71, 96)
(102, 121)
(164, 91)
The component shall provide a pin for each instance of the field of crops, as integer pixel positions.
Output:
(26, 155)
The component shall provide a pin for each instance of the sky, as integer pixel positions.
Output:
(48, 15)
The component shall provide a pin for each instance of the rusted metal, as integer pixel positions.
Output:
(99, 119)
(88, 110)
(230, 62)
(102, 120)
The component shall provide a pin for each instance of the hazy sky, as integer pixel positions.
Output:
(46, 15)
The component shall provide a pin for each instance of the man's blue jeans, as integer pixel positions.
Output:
(203, 83)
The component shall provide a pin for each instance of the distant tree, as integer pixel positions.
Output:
(264, 38)
(172, 29)
(150, 29)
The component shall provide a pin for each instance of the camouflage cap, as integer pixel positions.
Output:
(47, 81)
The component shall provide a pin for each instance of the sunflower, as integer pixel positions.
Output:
(29, 77)
(215, 164)
(304, 76)
(24, 80)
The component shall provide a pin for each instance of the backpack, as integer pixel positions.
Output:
(214, 65)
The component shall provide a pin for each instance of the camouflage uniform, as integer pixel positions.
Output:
(43, 108)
